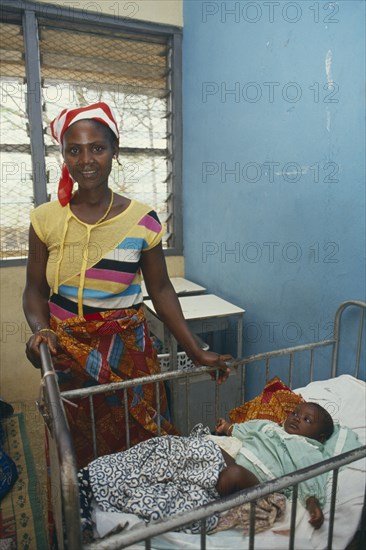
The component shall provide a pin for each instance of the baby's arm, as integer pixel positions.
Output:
(223, 427)
(316, 514)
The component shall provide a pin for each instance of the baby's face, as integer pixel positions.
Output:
(305, 420)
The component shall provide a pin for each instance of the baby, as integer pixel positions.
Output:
(169, 474)
(269, 451)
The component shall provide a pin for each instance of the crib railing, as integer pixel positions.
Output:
(290, 352)
(147, 532)
(63, 463)
(240, 364)
(63, 470)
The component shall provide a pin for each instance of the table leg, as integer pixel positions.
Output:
(239, 329)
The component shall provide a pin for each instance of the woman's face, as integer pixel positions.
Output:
(88, 152)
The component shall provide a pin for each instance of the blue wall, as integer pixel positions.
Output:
(274, 161)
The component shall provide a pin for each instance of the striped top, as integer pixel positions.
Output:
(93, 268)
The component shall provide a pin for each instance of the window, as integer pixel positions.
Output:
(16, 169)
(54, 62)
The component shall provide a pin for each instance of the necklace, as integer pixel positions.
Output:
(107, 211)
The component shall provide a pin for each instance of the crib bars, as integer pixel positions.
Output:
(63, 462)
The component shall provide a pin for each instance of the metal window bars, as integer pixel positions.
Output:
(54, 58)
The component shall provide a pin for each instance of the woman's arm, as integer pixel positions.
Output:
(167, 307)
(35, 299)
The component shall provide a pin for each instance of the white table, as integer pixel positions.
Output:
(204, 313)
(182, 286)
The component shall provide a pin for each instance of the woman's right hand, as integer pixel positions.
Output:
(32, 346)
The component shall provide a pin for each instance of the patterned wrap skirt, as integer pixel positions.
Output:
(106, 347)
(155, 479)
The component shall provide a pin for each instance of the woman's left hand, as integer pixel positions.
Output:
(212, 359)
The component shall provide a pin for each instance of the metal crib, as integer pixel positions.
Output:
(63, 463)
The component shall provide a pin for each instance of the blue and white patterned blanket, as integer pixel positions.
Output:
(159, 477)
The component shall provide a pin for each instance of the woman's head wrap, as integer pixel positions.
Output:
(100, 112)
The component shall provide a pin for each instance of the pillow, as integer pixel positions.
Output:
(344, 397)
(274, 403)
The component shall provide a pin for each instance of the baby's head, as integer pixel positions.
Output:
(310, 420)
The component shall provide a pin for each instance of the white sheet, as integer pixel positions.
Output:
(345, 399)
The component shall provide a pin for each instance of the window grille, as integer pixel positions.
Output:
(16, 191)
(133, 71)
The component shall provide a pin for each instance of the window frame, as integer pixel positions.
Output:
(31, 13)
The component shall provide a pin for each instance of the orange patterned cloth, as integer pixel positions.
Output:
(275, 403)
(101, 348)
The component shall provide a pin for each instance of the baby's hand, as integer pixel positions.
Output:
(222, 426)
(316, 514)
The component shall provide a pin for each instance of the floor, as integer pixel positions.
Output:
(36, 491)
(36, 433)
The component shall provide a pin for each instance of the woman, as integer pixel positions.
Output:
(83, 290)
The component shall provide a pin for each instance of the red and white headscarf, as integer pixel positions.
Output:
(100, 112)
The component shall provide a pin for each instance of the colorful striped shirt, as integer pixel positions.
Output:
(93, 268)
